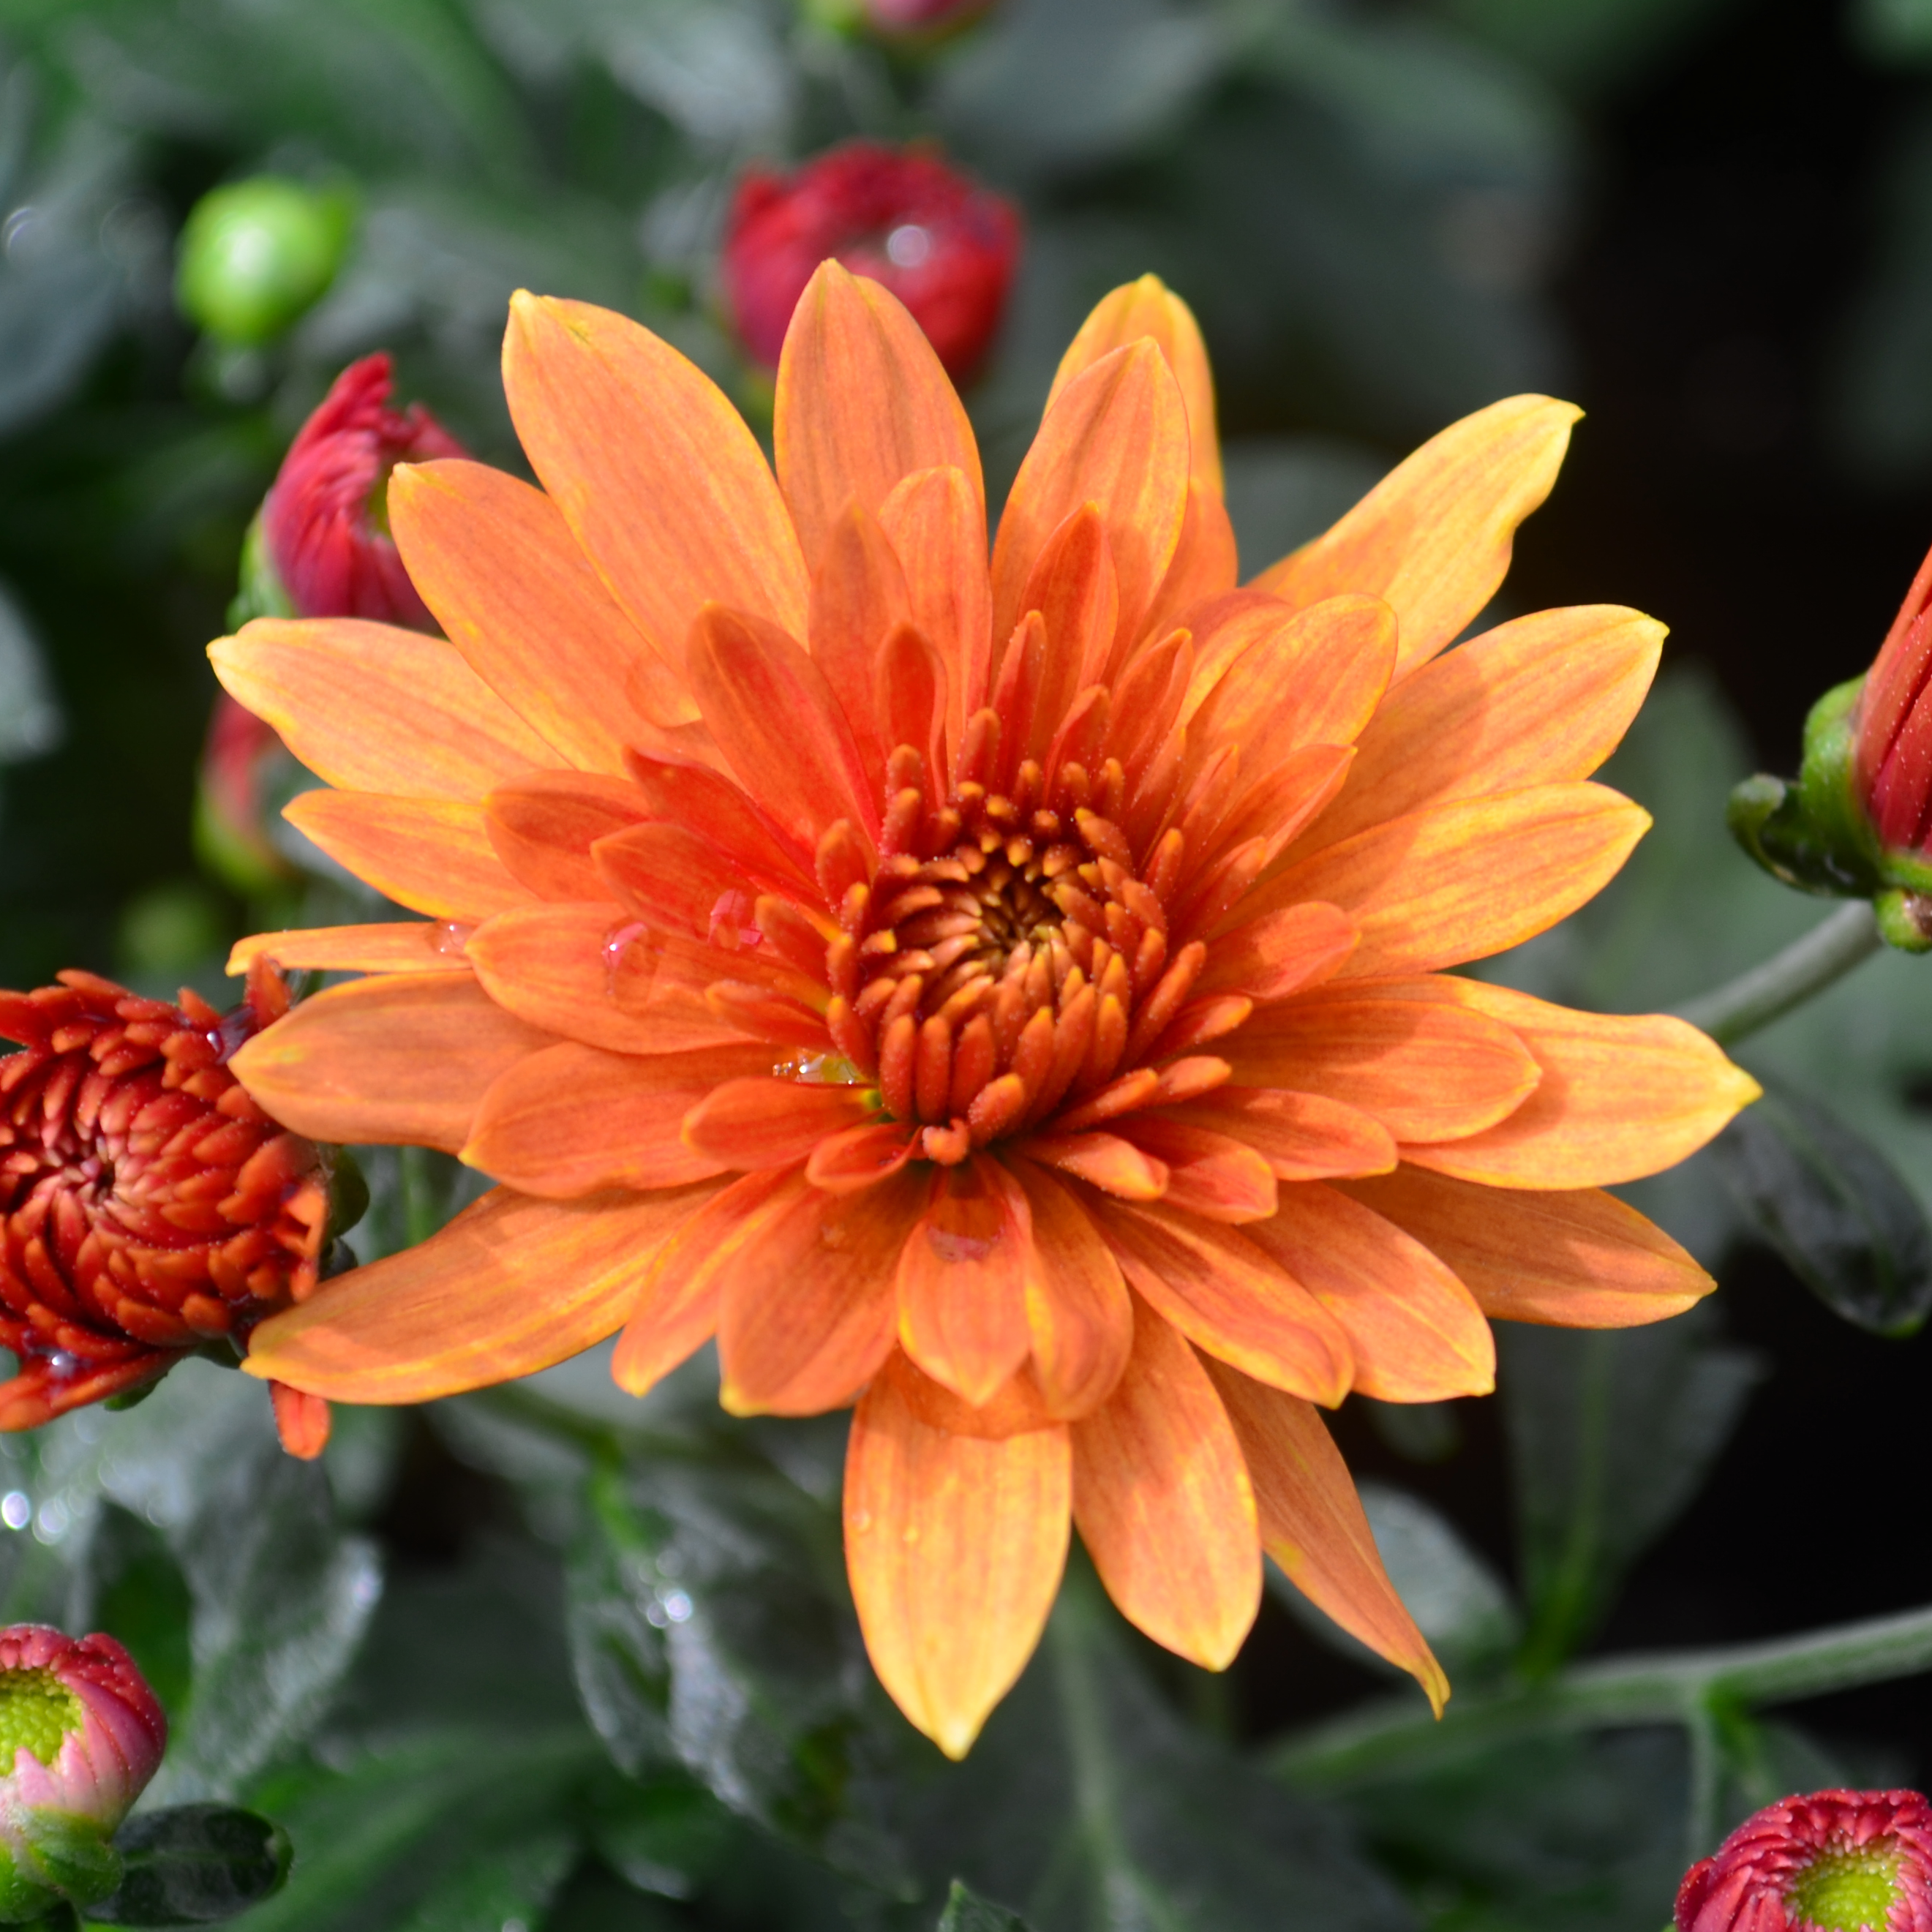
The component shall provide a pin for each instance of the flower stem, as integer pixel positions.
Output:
(1393, 1740)
(1806, 966)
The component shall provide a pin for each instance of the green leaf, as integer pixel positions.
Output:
(194, 1865)
(966, 1911)
(711, 1630)
(512, 1884)
(1835, 1208)
(1089, 1804)
(1611, 1433)
(377, 1838)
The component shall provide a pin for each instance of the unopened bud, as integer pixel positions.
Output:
(1857, 821)
(945, 247)
(325, 526)
(1831, 1862)
(83, 1735)
(257, 254)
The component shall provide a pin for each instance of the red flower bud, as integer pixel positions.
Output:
(1893, 766)
(325, 523)
(1834, 1861)
(80, 1736)
(922, 20)
(945, 247)
(148, 1206)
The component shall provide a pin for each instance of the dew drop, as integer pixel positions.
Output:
(448, 938)
(861, 1519)
(620, 941)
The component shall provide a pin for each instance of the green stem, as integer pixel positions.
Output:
(1393, 1740)
(1806, 966)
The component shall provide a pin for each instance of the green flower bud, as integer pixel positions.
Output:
(255, 254)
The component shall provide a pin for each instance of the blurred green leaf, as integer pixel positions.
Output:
(30, 722)
(966, 1911)
(1088, 1803)
(377, 1836)
(512, 1884)
(1580, 1833)
(1610, 1433)
(194, 1865)
(1835, 1208)
(1064, 84)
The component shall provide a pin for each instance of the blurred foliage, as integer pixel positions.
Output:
(637, 1698)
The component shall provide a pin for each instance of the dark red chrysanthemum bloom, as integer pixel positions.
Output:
(148, 1206)
(325, 521)
(1829, 1862)
(945, 246)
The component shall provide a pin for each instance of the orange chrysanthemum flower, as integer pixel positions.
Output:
(1005, 996)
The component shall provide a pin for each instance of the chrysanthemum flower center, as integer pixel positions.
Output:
(36, 1712)
(1849, 1891)
(1008, 958)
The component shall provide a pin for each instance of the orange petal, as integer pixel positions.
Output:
(1316, 678)
(1622, 1095)
(399, 946)
(750, 1122)
(1016, 1408)
(1116, 437)
(1276, 806)
(592, 974)
(962, 1277)
(809, 1307)
(1574, 1259)
(511, 1285)
(1163, 1503)
(1206, 563)
(432, 855)
(955, 1545)
(542, 828)
(1464, 880)
(862, 403)
(1418, 1334)
(861, 1157)
(676, 1310)
(1301, 1136)
(1208, 1174)
(372, 708)
(936, 523)
(1227, 1296)
(406, 1057)
(671, 877)
(572, 1119)
(708, 804)
(1542, 701)
(1422, 1079)
(498, 566)
(779, 725)
(301, 1421)
(1433, 537)
(1071, 586)
(1148, 308)
(1110, 1163)
(654, 470)
(1281, 953)
(909, 700)
(1313, 1525)
(1078, 1311)
(859, 598)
